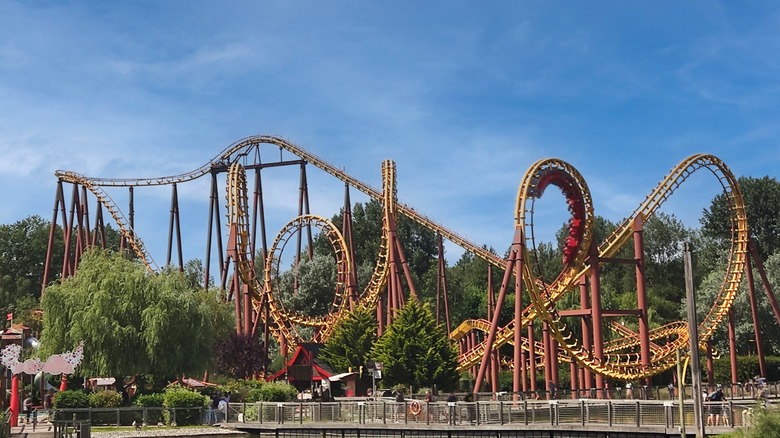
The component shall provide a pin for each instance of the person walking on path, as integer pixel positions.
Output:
(27, 407)
(400, 404)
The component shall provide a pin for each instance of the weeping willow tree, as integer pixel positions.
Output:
(132, 322)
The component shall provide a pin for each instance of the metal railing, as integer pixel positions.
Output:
(740, 391)
(72, 429)
(5, 424)
(129, 416)
(583, 412)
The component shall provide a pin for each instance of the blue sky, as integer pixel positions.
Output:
(464, 96)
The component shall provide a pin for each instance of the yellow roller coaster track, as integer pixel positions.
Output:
(616, 364)
(285, 321)
(543, 299)
(243, 148)
(628, 365)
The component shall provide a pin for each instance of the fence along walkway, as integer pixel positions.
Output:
(584, 413)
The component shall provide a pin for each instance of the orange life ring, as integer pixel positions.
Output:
(415, 408)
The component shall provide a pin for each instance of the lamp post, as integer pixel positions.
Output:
(693, 337)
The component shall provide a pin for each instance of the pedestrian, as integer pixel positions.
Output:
(47, 401)
(471, 407)
(452, 408)
(222, 408)
(716, 400)
(761, 392)
(27, 407)
(211, 414)
(400, 405)
(428, 401)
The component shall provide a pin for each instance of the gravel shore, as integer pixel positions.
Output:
(168, 432)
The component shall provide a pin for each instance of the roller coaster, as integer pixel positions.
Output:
(633, 355)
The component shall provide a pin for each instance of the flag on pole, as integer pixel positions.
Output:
(9, 317)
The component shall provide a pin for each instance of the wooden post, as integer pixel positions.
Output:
(693, 333)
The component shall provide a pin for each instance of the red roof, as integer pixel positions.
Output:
(302, 356)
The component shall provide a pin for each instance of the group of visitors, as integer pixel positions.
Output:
(30, 403)
(217, 411)
(716, 407)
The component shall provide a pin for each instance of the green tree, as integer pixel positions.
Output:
(22, 261)
(351, 342)
(744, 324)
(467, 288)
(239, 356)
(762, 200)
(132, 322)
(416, 351)
(419, 244)
(316, 281)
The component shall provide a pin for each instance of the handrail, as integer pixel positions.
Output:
(5, 426)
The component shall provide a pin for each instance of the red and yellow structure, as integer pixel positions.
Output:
(572, 336)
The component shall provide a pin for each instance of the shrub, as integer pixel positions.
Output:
(71, 399)
(239, 389)
(149, 400)
(254, 395)
(187, 404)
(766, 424)
(105, 399)
(153, 401)
(278, 392)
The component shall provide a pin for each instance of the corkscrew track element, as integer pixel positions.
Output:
(614, 363)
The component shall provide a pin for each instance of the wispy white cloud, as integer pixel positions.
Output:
(463, 97)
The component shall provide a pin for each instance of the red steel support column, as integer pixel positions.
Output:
(247, 309)
(392, 284)
(14, 405)
(406, 271)
(99, 232)
(587, 330)
(380, 317)
(733, 350)
(595, 299)
(209, 231)
(641, 296)
(131, 212)
(531, 357)
(754, 312)
(472, 345)
(710, 367)
(555, 365)
(441, 287)
(174, 227)
(574, 373)
(523, 370)
(68, 262)
(496, 315)
(764, 280)
(346, 231)
(82, 230)
(586, 377)
(494, 362)
(517, 358)
(236, 286)
(58, 199)
(547, 360)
